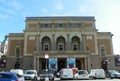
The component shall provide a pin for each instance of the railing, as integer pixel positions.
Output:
(63, 52)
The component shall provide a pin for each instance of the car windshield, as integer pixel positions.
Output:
(45, 72)
(29, 72)
(82, 72)
(113, 71)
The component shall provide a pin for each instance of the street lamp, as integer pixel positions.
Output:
(105, 62)
(117, 60)
(46, 57)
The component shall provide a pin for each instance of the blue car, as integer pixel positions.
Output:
(10, 76)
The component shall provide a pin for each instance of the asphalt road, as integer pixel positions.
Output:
(57, 79)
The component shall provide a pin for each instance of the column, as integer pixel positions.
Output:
(111, 45)
(37, 64)
(83, 46)
(25, 44)
(96, 44)
(34, 62)
(68, 46)
(53, 42)
(40, 44)
(89, 64)
(37, 45)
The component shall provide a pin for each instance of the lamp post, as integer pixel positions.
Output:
(3, 61)
(105, 63)
(46, 57)
(117, 60)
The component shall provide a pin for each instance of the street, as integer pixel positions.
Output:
(57, 79)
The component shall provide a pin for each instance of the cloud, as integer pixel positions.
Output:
(7, 11)
(44, 10)
(83, 9)
(13, 8)
(58, 5)
(13, 4)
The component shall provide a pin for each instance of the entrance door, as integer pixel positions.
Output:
(43, 63)
(78, 64)
(61, 63)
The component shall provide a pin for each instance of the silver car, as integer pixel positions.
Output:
(46, 74)
(113, 74)
(81, 74)
(30, 75)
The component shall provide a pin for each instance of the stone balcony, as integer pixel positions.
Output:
(62, 53)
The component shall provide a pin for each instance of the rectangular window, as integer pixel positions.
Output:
(89, 37)
(60, 47)
(102, 49)
(17, 51)
(75, 47)
(46, 48)
(31, 37)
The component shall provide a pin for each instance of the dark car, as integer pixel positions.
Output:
(113, 74)
(10, 76)
(46, 74)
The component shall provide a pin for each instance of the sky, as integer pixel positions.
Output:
(106, 12)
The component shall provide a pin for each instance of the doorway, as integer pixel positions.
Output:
(61, 63)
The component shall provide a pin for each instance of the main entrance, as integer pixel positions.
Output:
(61, 63)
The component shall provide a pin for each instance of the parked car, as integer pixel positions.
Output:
(58, 74)
(74, 71)
(10, 76)
(46, 74)
(30, 75)
(18, 71)
(66, 73)
(112, 74)
(81, 74)
(97, 73)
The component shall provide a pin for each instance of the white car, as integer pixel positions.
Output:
(18, 71)
(66, 73)
(81, 74)
(97, 73)
(30, 75)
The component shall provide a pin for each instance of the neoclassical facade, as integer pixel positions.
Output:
(69, 41)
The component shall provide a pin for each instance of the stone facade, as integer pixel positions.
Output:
(61, 38)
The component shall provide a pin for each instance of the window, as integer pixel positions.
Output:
(60, 47)
(75, 47)
(17, 51)
(89, 37)
(46, 25)
(74, 25)
(60, 43)
(31, 37)
(102, 50)
(5, 76)
(61, 25)
(75, 43)
(45, 44)
(46, 48)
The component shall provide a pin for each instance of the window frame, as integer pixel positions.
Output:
(18, 54)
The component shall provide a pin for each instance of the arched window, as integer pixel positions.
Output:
(61, 44)
(46, 44)
(75, 43)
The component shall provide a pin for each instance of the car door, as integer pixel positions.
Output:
(5, 77)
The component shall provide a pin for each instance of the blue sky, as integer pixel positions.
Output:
(106, 12)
